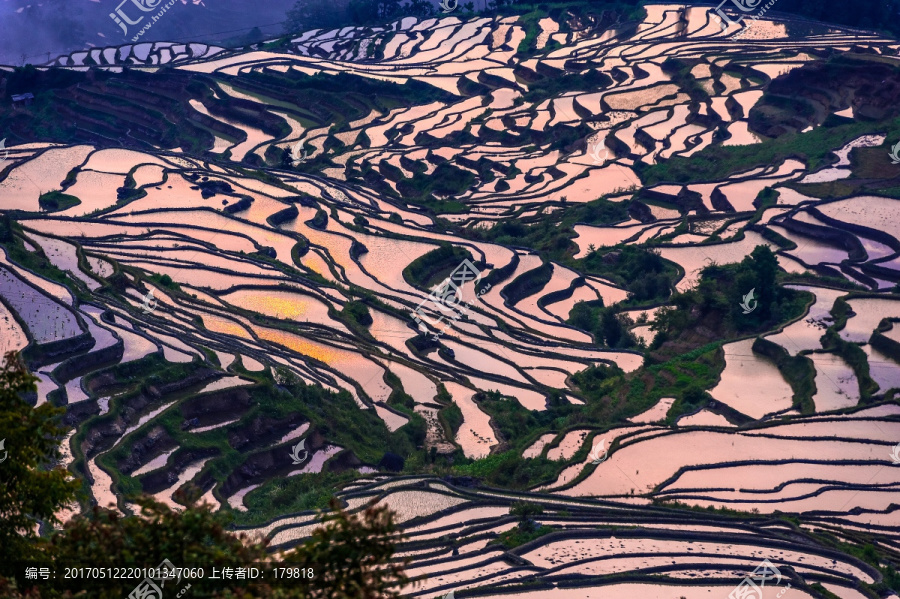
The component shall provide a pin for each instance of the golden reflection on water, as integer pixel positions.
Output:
(318, 351)
(224, 326)
(315, 263)
(279, 305)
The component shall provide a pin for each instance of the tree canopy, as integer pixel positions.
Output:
(32, 488)
(350, 554)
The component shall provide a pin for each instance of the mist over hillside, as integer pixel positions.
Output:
(34, 32)
(54, 27)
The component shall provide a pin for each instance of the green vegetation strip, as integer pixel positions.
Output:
(716, 163)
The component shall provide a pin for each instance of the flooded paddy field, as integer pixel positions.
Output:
(635, 270)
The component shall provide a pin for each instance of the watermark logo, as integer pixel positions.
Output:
(122, 20)
(595, 150)
(148, 303)
(448, 6)
(763, 573)
(894, 153)
(295, 452)
(599, 453)
(4, 153)
(895, 454)
(298, 153)
(446, 300)
(149, 589)
(744, 6)
(6, 454)
(724, 20)
(749, 304)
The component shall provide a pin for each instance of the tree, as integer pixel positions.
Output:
(525, 511)
(758, 271)
(765, 266)
(32, 490)
(350, 554)
(611, 328)
(193, 537)
(254, 36)
(358, 312)
(357, 549)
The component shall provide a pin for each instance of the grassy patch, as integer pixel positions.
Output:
(519, 536)
(715, 163)
(852, 353)
(337, 416)
(452, 418)
(165, 281)
(290, 495)
(357, 312)
(509, 470)
(445, 180)
(433, 267)
(515, 422)
(643, 272)
(715, 306)
(57, 201)
(529, 22)
(550, 234)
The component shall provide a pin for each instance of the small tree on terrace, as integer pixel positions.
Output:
(758, 271)
(526, 511)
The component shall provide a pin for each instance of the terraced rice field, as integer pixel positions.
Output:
(199, 310)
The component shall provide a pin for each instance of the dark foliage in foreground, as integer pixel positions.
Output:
(357, 548)
(31, 490)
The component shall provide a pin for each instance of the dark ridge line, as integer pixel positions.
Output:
(697, 536)
(819, 491)
(176, 262)
(705, 519)
(699, 467)
(722, 566)
(113, 222)
(832, 521)
(199, 266)
(529, 584)
(87, 363)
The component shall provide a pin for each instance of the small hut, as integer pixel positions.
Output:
(22, 99)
